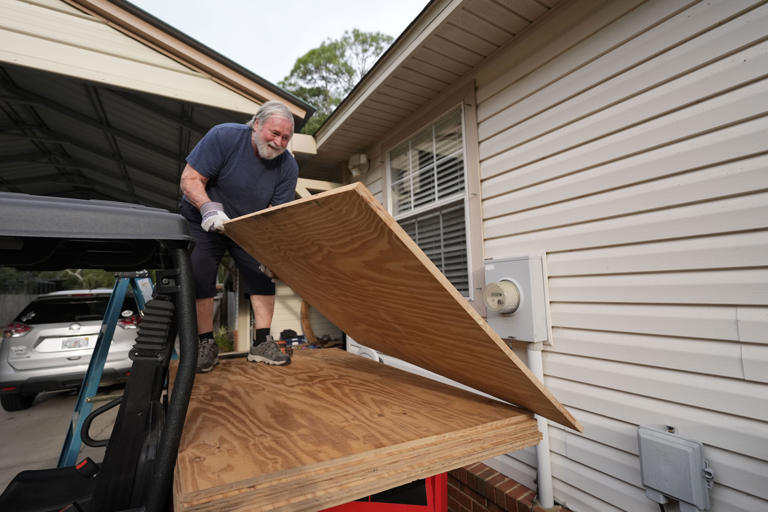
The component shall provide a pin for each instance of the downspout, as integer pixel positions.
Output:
(543, 460)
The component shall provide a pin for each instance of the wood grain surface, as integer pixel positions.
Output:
(329, 428)
(342, 252)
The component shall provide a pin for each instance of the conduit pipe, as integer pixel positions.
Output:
(543, 460)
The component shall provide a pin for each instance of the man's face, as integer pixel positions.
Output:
(272, 137)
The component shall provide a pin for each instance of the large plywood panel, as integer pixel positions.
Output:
(329, 428)
(344, 254)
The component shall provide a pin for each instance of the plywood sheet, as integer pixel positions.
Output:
(346, 256)
(329, 428)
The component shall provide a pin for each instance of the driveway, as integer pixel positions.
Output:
(33, 438)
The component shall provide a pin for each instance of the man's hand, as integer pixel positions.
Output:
(213, 216)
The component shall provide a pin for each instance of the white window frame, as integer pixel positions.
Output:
(440, 203)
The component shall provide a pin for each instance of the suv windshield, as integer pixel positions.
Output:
(50, 310)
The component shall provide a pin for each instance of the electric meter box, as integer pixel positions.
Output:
(526, 320)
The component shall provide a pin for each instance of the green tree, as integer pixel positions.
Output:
(23, 281)
(325, 75)
(74, 279)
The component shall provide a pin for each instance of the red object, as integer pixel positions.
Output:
(437, 500)
(129, 322)
(15, 330)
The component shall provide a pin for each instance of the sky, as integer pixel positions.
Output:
(268, 37)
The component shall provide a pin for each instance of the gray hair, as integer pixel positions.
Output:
(269, 109)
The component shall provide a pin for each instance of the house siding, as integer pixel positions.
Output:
(628, 142)
(375, 181)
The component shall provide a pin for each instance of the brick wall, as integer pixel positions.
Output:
(479, 488)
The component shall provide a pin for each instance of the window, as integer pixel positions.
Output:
(61, 309)
(427, 195)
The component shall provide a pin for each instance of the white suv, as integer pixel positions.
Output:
(48, 346)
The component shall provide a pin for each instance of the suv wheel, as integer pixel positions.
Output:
(17, 401)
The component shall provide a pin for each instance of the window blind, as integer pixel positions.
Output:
(427, 195)
(441, 234)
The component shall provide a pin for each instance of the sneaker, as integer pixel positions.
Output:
(207, 355)
(268, 352)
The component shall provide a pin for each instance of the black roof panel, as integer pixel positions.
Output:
(42, 232)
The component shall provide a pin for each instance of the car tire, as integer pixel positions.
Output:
(17, 401)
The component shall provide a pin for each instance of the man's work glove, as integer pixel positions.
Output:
(213, 216)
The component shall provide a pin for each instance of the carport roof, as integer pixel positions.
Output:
(99, 100)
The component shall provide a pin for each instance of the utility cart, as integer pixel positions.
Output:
(137, 242)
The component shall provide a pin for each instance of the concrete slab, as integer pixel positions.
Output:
(33, 438)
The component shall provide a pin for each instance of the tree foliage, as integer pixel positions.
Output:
(325, 75)
(18, 281)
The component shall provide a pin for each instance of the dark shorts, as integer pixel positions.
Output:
(206, 256)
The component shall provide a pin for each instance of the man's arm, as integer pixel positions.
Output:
(193, 186)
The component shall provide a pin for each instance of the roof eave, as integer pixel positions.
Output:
(430, 18)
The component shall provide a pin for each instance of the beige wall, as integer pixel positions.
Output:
(626, 140)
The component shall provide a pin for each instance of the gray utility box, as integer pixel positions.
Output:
(514, 298)
(674, 467)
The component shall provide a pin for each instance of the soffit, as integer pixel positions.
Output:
(441, 48)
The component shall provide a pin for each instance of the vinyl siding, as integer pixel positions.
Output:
(375, 181)
(605, 409)
(628, 141)
(520, 467)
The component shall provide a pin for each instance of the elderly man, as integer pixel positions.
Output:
(234, 170)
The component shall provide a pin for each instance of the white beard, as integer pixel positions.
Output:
(266, 151)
